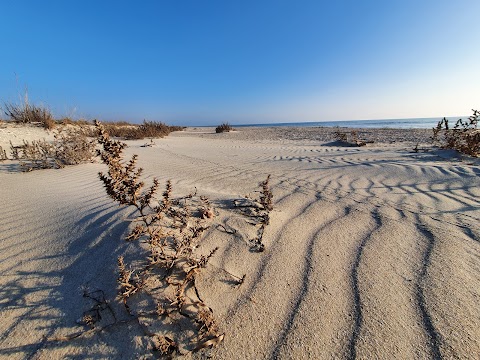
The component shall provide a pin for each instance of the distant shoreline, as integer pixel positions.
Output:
(409, 123)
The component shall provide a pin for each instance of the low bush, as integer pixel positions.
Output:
(70, 147)
(463, 137)
(148, 129)
(153, 129)
(225, 127)
(69, 121)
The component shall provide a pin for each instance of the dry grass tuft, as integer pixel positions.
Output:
(225, 127)
(463, 137)
(27, 113)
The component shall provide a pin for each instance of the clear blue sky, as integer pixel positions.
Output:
(249, 61)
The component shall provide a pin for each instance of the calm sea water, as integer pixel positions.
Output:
(416, 123)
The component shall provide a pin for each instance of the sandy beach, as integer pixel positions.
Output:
(371, 252)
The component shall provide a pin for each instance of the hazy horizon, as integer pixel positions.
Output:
(195, 63)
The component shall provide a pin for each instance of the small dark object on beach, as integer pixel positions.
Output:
(225, 127)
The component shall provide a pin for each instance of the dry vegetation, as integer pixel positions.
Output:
(225, 127)
(71, 143)
(463, 137)
(148, 129)
(68, 121)
(349, 138)
(71, 146)
(27, 113)
(128, 131)
(3, 154)
(160, 289)
(257, 209)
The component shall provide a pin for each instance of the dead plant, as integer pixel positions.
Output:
(70, 147)
(340, 135)
(27, 113)
(463, 137)
(35, 155)
(225, 127)
(171, 230)
(148, 129)
(3, 154)
(159, 291)
(350, 139)
(257, 209)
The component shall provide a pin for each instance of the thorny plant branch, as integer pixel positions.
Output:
(171, 228)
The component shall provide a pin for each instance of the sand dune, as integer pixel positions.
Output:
(372, 252)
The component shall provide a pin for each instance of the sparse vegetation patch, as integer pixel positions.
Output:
(257, 209)
(3, 154)
(171, 230)
(71, 146)
(160, 291)
(27, 113)
(225, 127)
(463, 137)
(148, 129)
(349, 138)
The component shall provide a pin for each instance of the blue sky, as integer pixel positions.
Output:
(201, 62)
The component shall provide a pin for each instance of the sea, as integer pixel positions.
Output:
(413, 123)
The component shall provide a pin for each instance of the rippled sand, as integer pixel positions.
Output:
(372, 252)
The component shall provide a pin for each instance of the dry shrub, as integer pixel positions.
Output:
(66, 121)
(153, 129)
(27, 113)
(3, 154)
(159, 290)
(120, 123)
(148, 129)
(118, 131)
(38, 154)
(257, 209)
(350, 139)
(225, 127)
(463, 137)
(171, 228)
(70, 147)
(340, 136)
(70, 121)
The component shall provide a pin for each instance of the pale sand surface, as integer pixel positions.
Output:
(372, 252)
